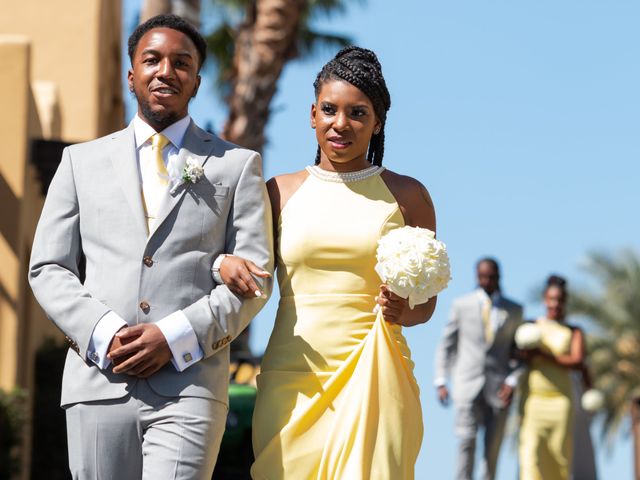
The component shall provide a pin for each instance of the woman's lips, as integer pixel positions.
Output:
(339, 144)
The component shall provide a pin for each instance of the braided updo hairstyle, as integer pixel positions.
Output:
(360, 67)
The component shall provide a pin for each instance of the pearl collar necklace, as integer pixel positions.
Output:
(344, 177)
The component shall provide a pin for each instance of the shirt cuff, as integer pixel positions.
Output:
(439, 382)
(101, 338)
(182, 340)
(215, 269)
(512, 380)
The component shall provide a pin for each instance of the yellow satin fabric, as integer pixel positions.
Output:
(547, 410)
(337, 398)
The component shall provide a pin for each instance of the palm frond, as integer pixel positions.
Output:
(615, 349)
(311, 41)
(220, 44)
(326, 7)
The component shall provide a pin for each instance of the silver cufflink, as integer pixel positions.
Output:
(187, 357)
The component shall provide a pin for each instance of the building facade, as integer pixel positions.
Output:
(61, 82)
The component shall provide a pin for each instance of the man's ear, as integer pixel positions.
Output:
(313, 115)
(130, 79)
(195, 90)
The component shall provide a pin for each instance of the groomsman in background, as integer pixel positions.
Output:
(477, 349)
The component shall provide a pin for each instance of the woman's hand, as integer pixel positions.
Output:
(396, 309)
(530, 353)
(237, 274)
(392, 305)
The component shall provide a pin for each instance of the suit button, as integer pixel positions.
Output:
(147, 260)
(144, 306)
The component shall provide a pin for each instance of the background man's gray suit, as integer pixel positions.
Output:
(93, 215)
(478, 369)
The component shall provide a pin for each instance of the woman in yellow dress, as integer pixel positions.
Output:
(547, 397)
(337, 398)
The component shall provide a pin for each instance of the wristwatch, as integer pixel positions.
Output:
(215, 270)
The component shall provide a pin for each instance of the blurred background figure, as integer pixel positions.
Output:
(477, 349)
(584, 460)
(548, 402)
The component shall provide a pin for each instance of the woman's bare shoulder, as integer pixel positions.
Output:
(413, 198)
(282, 187)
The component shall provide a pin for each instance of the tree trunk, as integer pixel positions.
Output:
(264, 43)
(189, 10)
(635, 432)
(151, 8)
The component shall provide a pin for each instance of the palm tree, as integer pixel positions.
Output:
(250, 55)
(250, 48)
(615, 347)
(189, 9)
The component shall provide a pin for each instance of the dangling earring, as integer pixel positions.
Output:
(376, 131)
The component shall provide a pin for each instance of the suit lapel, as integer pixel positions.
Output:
(125, 164)
(197, 145)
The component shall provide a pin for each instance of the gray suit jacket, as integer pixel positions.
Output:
(93, 215)
(475, 366)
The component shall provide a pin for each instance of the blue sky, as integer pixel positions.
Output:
(521, 118)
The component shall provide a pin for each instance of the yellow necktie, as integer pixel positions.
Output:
(155, 179)
(486, 321)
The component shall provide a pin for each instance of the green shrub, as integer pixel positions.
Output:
(12, 420)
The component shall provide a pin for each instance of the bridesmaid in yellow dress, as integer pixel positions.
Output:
(337, 398)
(547, 397)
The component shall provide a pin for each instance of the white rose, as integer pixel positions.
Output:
(592, 400)
(528, 336)
(413, 263)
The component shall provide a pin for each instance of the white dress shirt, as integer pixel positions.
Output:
(176, 328)
(494, 322)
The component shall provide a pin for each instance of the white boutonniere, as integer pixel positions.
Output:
(191, 171)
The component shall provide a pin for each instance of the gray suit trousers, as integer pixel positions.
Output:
(469, 417)
(145, 436)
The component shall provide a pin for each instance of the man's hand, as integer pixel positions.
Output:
(116, 343)
(237, 274)
(505, 394)
(143, 356)
(443, 395)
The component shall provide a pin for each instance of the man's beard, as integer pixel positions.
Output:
(161, 120)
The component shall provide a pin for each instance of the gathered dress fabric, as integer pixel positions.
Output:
(337, 398)
(548, 410)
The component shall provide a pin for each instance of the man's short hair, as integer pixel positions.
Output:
(174, 22)
(491, 261)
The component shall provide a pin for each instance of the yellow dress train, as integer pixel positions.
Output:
(547, 410)
(337, 398)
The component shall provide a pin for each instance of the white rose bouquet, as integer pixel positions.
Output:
(592, 400)
(528, 336)
(413, 264)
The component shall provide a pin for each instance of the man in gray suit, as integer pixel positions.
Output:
(477, 348)
(145, 211)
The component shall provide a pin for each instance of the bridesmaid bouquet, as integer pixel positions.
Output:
(413, 264)
(592, 400)
(528, 336)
